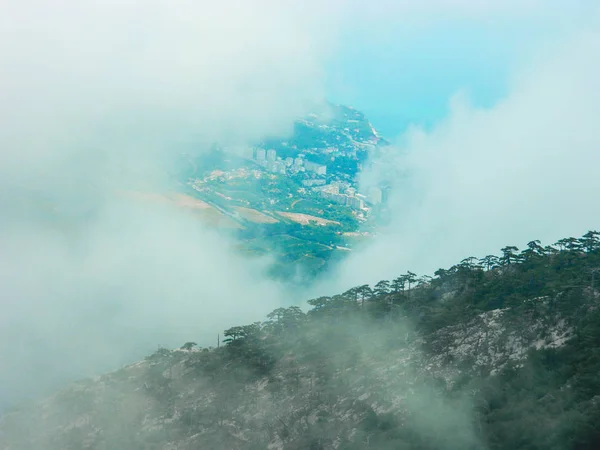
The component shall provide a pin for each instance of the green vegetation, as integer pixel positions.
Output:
(277, 193)
(546, 399)
(501, 352)
(326, 235)
(339, 126)
(302, 252)
(304, 137)
(306, 250)
(299, 249)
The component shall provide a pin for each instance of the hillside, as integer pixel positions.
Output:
(498, 353)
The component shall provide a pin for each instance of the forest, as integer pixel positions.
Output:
(549, 399)
(498, 352)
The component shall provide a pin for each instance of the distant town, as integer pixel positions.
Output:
(340, 192)
(311, 178)
(313, 172)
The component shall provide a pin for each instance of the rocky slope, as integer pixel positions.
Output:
(505, 357)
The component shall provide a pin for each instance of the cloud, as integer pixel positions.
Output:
(139, 74)
(459, 7)
(483, 178)
(96, 97)
(411, 13)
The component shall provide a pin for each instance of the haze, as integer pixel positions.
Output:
(95, 98)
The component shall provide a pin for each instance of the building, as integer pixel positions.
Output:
(280, 167)
(375, 195)
(260, 154)
(331, 192)
(275, 167)
(362, 197)
(317, 168)
(334, 197)
(298, 162)
(355, 202)
(289, 162)
(271, 155)
(332, 188)
(309, 183)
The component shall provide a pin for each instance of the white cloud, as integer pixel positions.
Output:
(94, 94)
(427, 12)
(484, 178)
(141, 73)
(93, 98)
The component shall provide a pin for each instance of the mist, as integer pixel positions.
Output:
(96, 100)
(484, 178)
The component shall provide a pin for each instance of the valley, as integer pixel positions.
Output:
(298, 196)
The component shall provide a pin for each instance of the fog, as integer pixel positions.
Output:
(95, 101)
(484, 178)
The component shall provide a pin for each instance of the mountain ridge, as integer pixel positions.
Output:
(498, 352)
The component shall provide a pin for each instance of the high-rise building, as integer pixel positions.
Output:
(317, 168)
(271, 155)
(260, 154)
(357, 203)
(333, 188)
(375, 195)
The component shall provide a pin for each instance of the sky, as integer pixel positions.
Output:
(403, 69)
(399, 85)
(94, 94)
(500, 172)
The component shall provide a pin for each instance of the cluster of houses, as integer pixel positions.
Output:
(340, 192)
(343, 194)
(271, 162)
